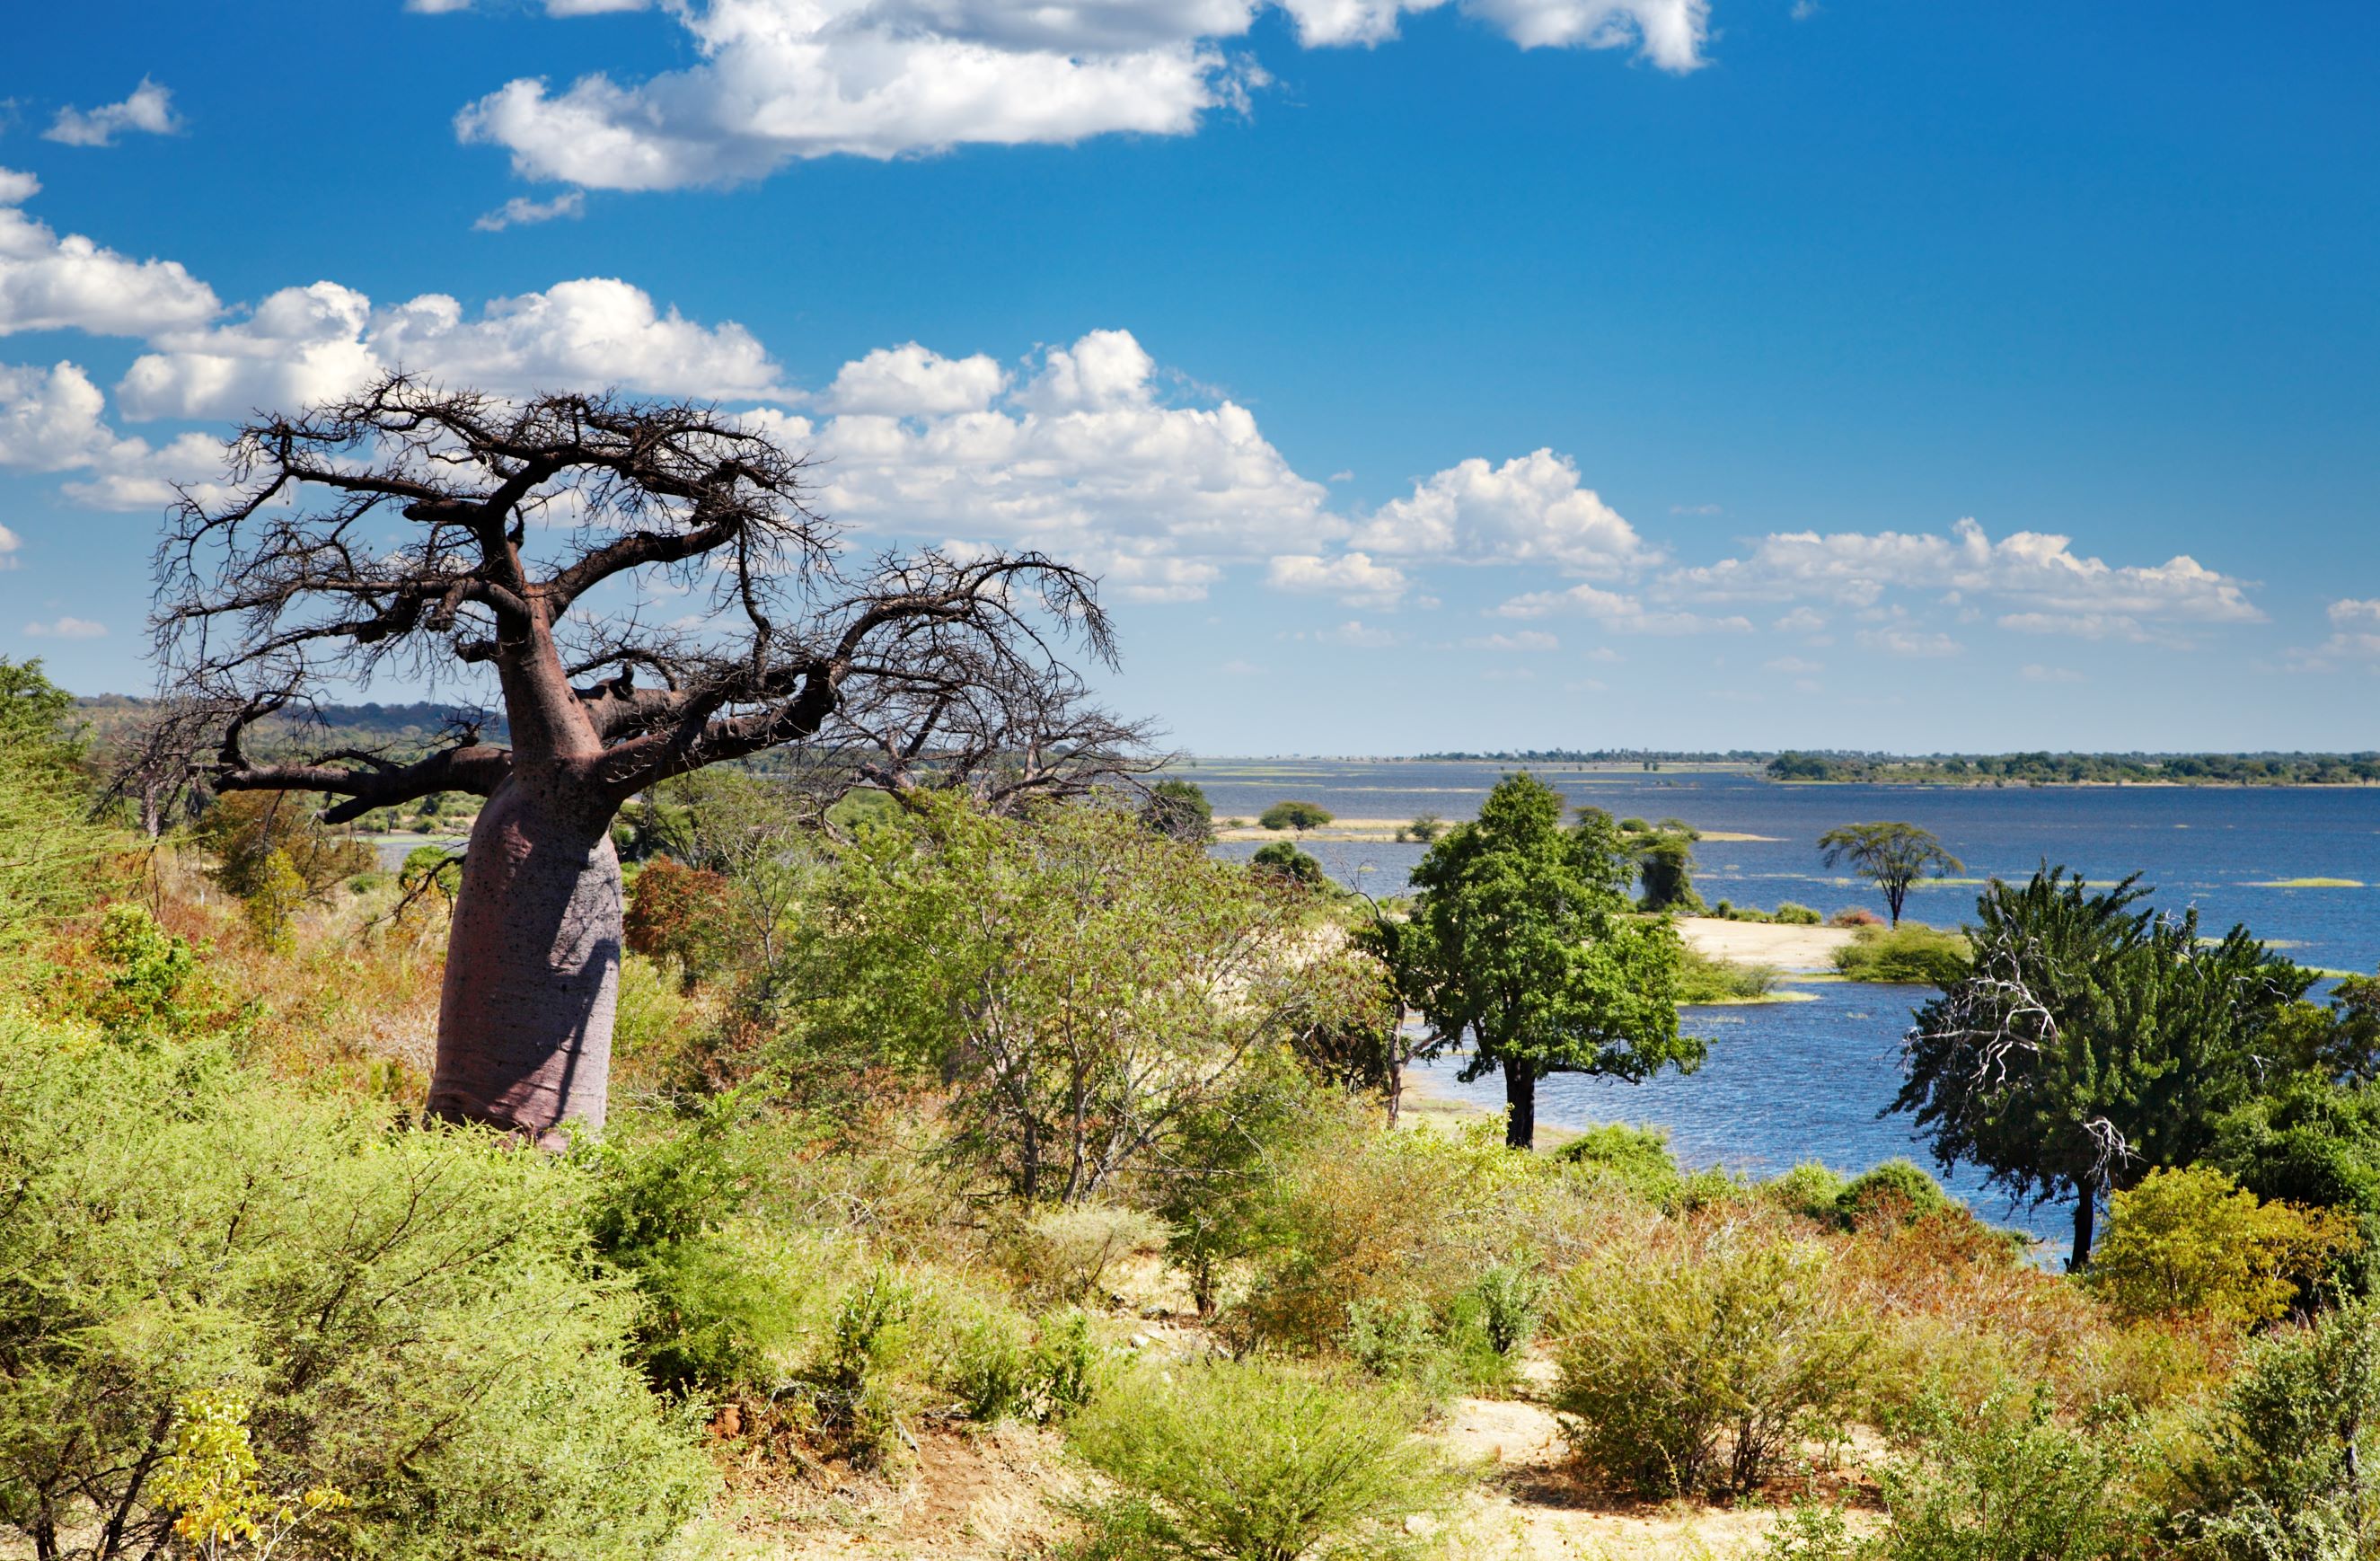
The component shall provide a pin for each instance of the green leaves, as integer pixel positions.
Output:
(1523, 945)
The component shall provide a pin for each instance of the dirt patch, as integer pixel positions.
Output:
(1764, 942)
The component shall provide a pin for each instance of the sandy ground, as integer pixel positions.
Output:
(1764, 942)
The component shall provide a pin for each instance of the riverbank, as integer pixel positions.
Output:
(1782, 945)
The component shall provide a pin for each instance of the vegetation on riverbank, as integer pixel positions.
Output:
(1027, 1187)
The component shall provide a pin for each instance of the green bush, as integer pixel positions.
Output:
(2188, 1242)
(1702, 978)
(2281, 1475)
(1667, 1361)
(408, 1314)
(1809, 1189)
(1792, 914)
(1064, 1254)
(1909, 955)
(2005, 1481)
(1299, 816)
(1897, 1192)
(1635, 1158)
(1249, 1461)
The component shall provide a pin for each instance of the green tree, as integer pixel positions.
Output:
(1087, 985)
(1299, 816)
(1521, 947)
(1180, 808)
(1664, 855)
(2093, 1041)
(1284, 860)
(1891, 855)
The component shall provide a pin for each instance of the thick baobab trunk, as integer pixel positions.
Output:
(532, 971)
(1520, 1105)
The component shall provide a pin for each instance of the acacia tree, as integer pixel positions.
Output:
(1893, 856)
(423, 530)
(2093, 1041)
(1521, 946)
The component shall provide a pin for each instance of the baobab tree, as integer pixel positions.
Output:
(533, 544)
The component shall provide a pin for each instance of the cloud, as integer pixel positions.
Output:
(51, 419)
(776, 81)
(1618, 613)
(9, 542)
(909, 381)
(1352, 577)
(2038, 572)
(51, 284)
(2034, 672)
(1797, 666)
(67, 628)
(521, 211)
(1532, 509)
(1910, 643)
(2354, 611)
(1801, 621)
(150, 110)
(1526, 640)
(303, 344)
(1696, 509)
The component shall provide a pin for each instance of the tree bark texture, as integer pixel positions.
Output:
(532, 971)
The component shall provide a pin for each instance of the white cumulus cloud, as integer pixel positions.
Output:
(1532, 509)
(522, 212)
(2037, 574)
(779, 80)
(49, 282)
(302, 343)
(1351, 577)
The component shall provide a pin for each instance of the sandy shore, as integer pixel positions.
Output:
(1764, 943)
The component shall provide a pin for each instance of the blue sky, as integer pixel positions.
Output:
(1501, 374)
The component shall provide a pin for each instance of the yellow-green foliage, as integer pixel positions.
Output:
(1732, 1341)
(409, 1313)
(1357, 1215)
(2189, 1242)
(1908, 954)
(1250, 1461)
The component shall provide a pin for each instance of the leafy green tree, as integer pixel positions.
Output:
(1086, 985)
(1664, 855)
(1521, 947)
(2092, 1041)
(1299, 816)
(1425, 829)
(1180, 808)
(1891, 855)
(1284, 860)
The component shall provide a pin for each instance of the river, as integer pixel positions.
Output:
(1793, 1081)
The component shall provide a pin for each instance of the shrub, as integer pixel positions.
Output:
(1249, 1461)
(1855, 916)
(1792, 914)
(2189, 1242)
(1635, 1158)
(1909, 955)
(682, 913)
(1895, 1193)
(1064, 1253)
(1703, 979)
(2005, 1481)
(2281, 1472)
(408, 1314)
(1666, 1359)
(1299, 816)
(1809, 1189)
(1284, 860)
(1354, 1213)
(1512, 1300)
(244, 829)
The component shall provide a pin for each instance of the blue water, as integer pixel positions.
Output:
(1788, 1082)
